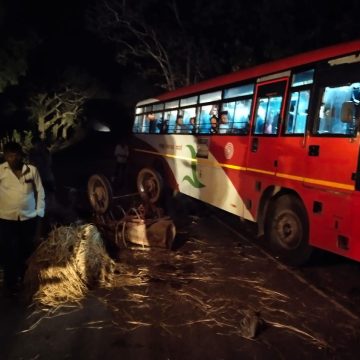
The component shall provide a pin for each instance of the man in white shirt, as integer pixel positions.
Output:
(22, 203)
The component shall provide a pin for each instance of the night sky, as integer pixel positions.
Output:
(64, 43)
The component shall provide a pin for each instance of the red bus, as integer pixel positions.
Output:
(277, 144)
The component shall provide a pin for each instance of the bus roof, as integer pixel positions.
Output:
(261, 70)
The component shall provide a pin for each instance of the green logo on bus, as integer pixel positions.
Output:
(194, 181)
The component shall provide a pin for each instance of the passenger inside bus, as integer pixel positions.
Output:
(152, 122)
(213, 125)
(180, 128)
(260, 116)
(163, 126)
(271, 122)
(224, 122)
(192, 125)
(325, 118)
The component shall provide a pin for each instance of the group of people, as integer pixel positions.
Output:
(220, 125)
(217, 125)
(181, 128)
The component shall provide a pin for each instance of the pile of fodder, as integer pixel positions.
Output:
(66, 265)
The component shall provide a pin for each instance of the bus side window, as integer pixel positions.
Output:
(137, 126)
(190, 120)
(226, 117)
(206, 112)
(158, 122)
(171, 116)
(273, 115)
(151, 123)
(162, 124)
(298, 112)
(242, 117)
(204, 127)
(329, 119)
(238, 115)
(260, 116)
(268, 115)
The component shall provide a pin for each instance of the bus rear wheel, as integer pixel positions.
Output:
(287, 230)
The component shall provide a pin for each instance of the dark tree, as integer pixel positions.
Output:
(175, 43)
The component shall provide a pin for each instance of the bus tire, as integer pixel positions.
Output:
(149, 184)
(287, 230)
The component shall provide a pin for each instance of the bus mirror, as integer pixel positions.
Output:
(347, 112)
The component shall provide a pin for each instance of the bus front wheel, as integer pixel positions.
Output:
(287, 230)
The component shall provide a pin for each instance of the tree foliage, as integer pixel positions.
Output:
(175, 43)
(156, 38)
(57, 113)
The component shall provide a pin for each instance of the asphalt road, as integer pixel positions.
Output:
(216, 295)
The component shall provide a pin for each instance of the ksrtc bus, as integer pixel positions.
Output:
(276, 144)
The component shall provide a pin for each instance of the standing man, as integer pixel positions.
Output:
(22, 204)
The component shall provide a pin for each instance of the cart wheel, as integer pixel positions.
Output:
(100, 193)
(149, 184)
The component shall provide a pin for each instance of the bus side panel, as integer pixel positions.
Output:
(203, 177)
(332, 225)
(230, 153)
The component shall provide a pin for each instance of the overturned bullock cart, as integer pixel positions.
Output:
(130, 219)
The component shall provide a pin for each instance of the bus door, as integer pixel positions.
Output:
(291, 162)
(262, 158)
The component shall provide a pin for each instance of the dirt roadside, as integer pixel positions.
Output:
(188, 303)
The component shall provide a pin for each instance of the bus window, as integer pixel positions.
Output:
(239, 91)
(158, 122)
(238, 114)
(170, 117)
(189, 101)
(225, 122)
(242, 117)
(151, 123)
(303, 78)
(137, 127)
(215, 95)
(298, 112)
(226, 117)
(206, 113)
(329, 120)
(260, 115)
(267, 115)
(163, 126)
(189, 113)
(148, 108)
(172, 104)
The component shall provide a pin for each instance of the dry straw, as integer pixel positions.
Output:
(64, 267)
